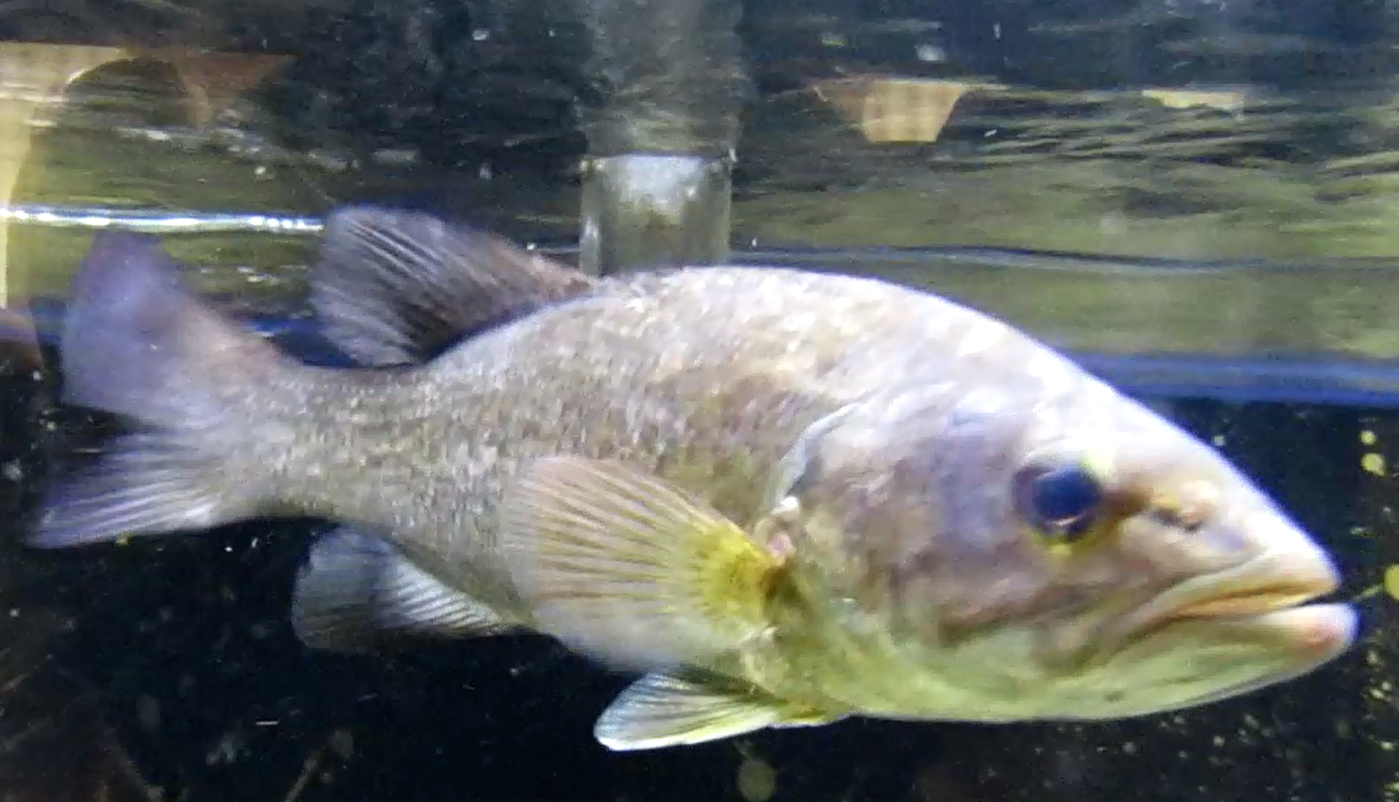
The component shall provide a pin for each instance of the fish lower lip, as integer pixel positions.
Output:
(1311, 634)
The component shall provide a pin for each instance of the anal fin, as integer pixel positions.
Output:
(686, 708)
(355, 589)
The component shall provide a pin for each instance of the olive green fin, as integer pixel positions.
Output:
(398, 287)
(626, 568)
(356, 590)
(661, 710)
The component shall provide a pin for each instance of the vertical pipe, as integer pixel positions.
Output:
(657, 177)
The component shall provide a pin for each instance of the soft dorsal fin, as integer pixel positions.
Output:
(399, 287)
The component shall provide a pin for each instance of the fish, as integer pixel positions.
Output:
(781, 497)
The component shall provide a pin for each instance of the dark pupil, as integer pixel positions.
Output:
(1060, 501)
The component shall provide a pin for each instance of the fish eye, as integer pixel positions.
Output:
(1061, 502)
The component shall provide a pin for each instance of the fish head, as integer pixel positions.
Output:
(1054, 556)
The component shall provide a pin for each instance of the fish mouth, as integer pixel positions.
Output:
(1216, 635)
(1269, 595)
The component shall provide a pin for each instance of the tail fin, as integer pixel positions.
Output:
(136, 343)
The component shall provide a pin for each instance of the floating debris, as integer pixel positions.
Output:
(1391, 581)
(1374, 463)
(896, 109)
(757, 779)
(1232, 100)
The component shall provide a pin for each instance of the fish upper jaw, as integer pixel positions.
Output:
(1274, 580)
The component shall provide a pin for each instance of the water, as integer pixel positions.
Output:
(183, 642)
(1227, 255)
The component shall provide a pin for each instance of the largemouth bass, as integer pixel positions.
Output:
(785, 497)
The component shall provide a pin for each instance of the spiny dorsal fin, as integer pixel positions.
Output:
(399, 287)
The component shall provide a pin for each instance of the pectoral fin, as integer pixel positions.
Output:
(627, 568)
(661, 710)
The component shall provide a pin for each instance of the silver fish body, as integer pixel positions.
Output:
(789, 496)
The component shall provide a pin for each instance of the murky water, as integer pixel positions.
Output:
(1223, 249)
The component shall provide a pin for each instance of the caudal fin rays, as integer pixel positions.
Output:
(136, 343)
